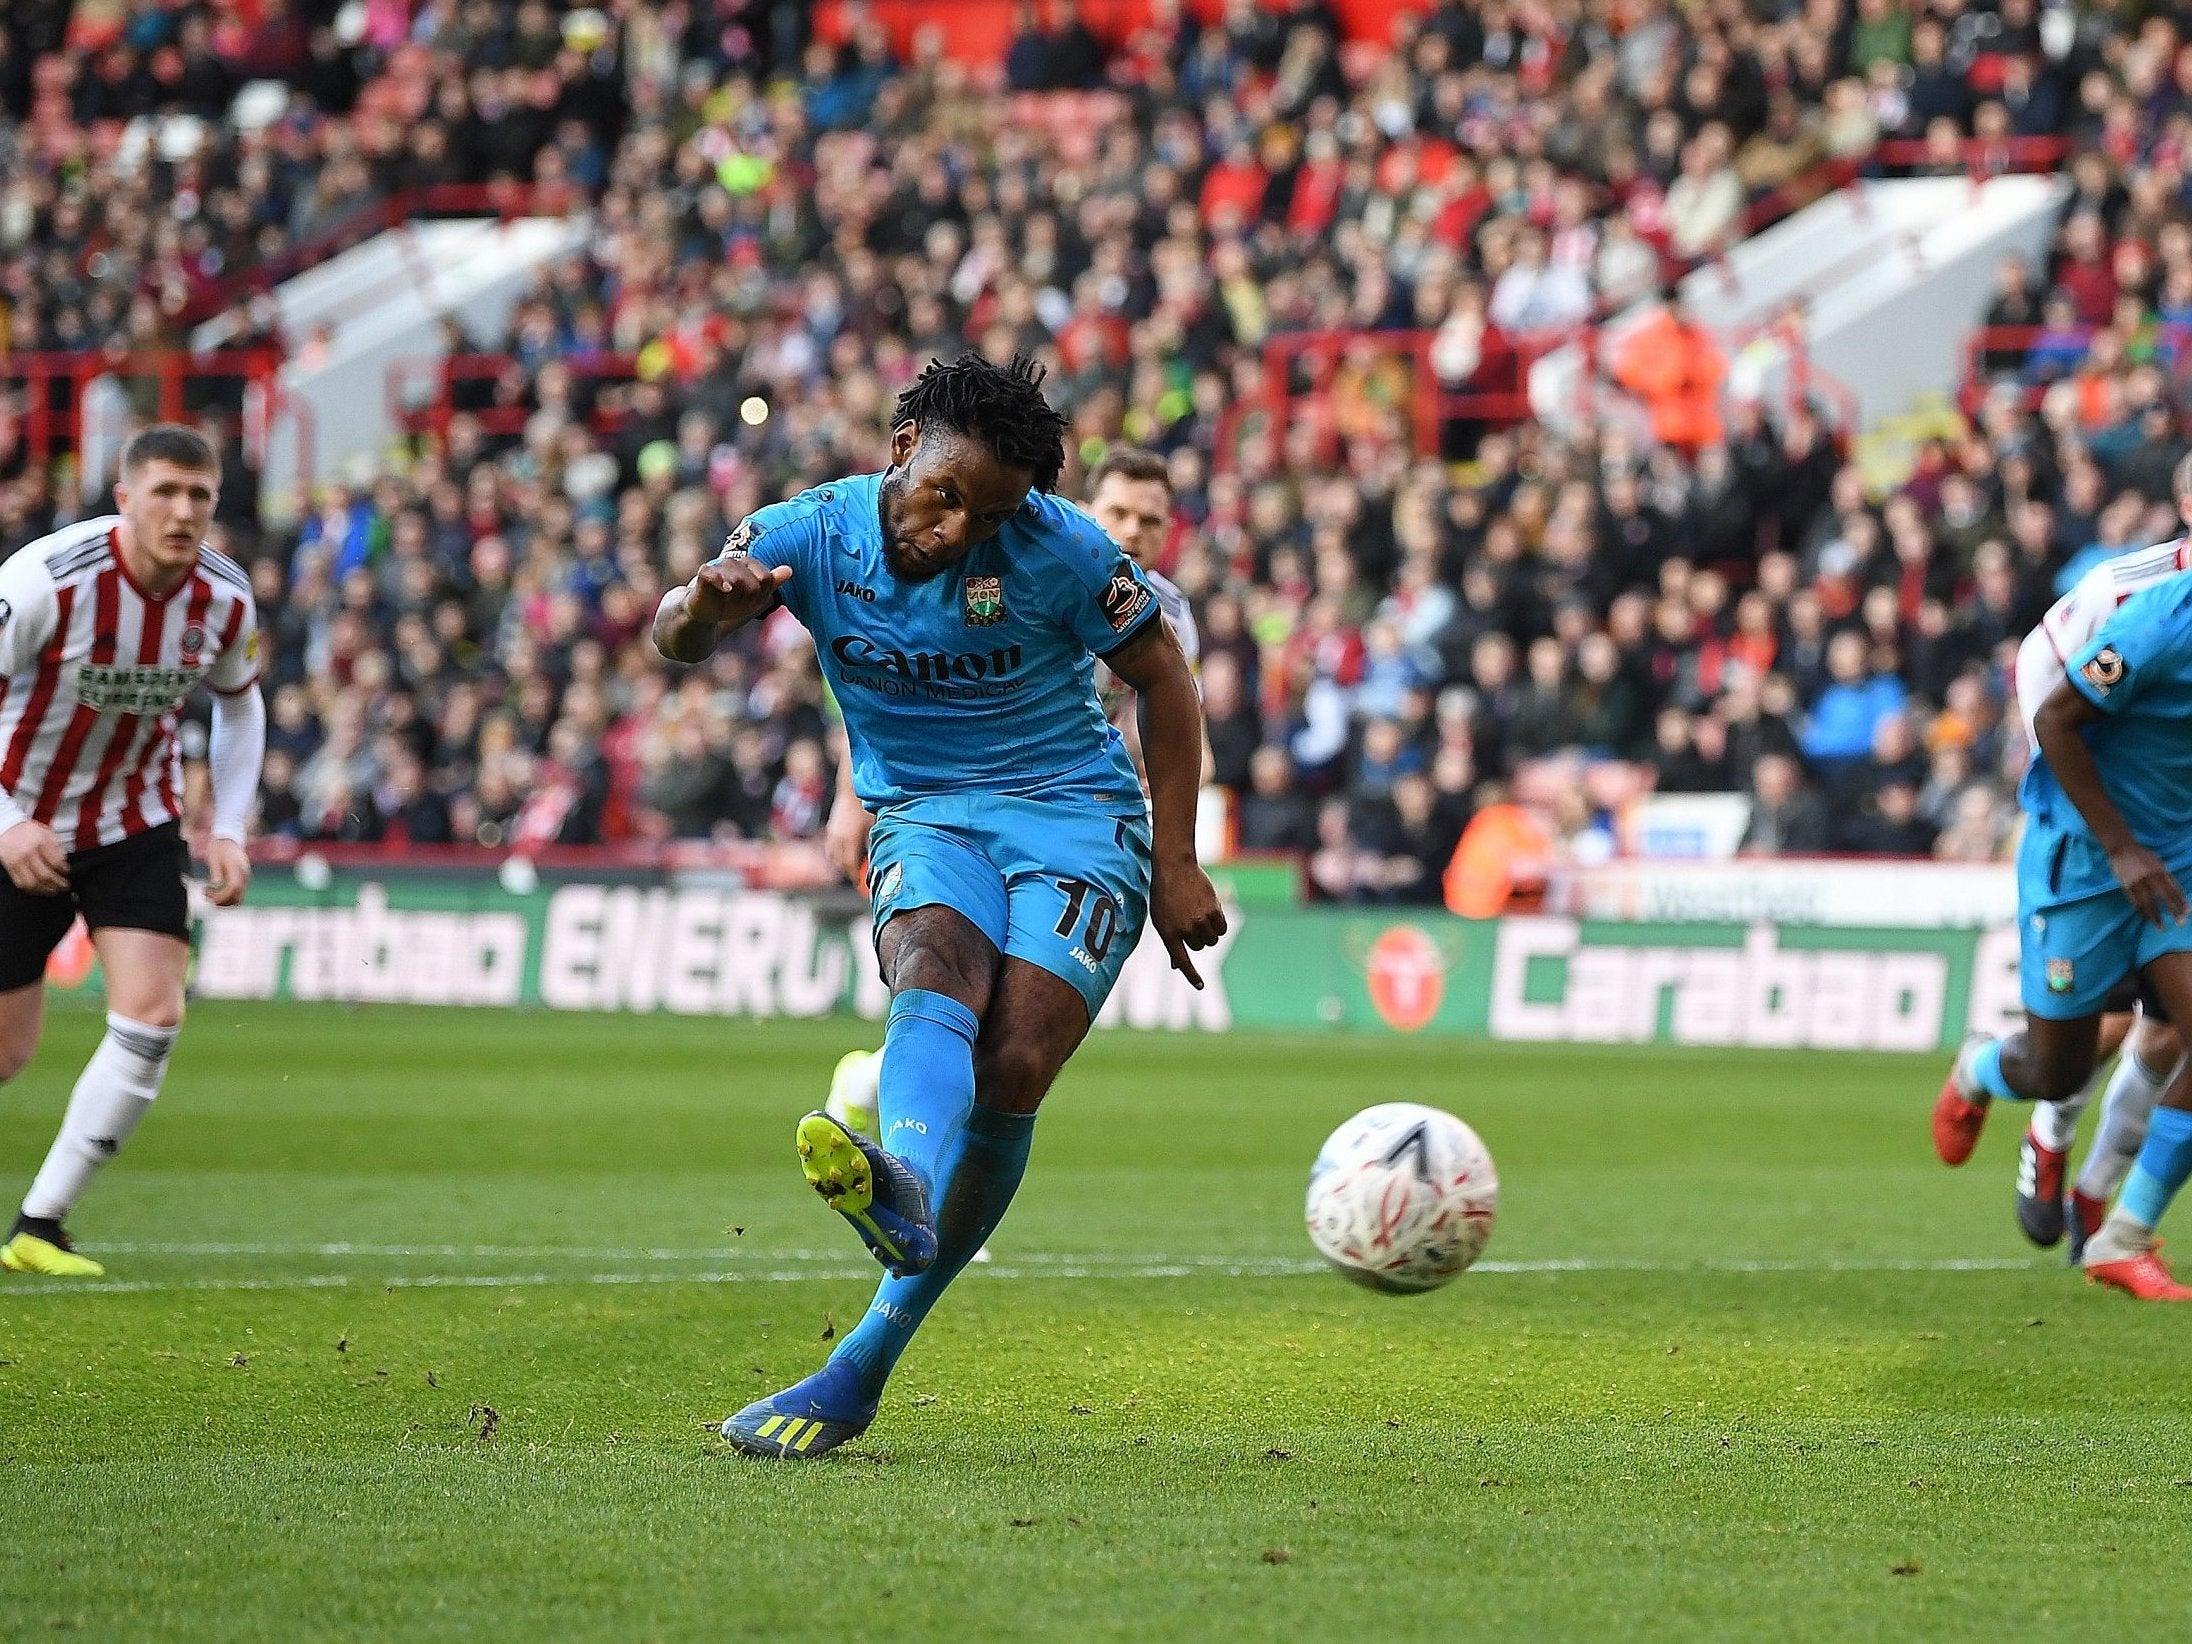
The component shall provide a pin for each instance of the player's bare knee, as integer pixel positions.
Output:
(1013, 1077)
(154, 1010)
(2157, 1044)
(933, 970)
(938, 951)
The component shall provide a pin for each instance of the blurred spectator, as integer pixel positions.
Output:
(1275, 815)
(1787, 818)
(1676, 368)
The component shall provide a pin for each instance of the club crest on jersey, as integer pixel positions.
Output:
(2061, 975)
(2104, 669)
(985, 601)
(194, 643)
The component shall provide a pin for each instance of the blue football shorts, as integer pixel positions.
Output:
(2075, 949)
(1062, 886)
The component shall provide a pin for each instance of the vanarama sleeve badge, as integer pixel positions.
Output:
(1123, 599)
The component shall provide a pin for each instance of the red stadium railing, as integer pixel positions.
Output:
(2033, 357)
(61, 412)
(423, 395)
(1302, 370)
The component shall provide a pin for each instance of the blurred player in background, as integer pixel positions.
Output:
(2150, 1046)
(2108, 837)
(1130, 496)
(105, 629)
(958, 610)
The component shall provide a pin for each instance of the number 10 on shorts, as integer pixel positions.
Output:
(1103, 917)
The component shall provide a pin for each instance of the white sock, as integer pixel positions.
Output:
(2055, 1124)
(111, 1095)
(2133, 1089)
(2121, 1236)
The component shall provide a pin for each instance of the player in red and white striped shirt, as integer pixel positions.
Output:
(105, 629)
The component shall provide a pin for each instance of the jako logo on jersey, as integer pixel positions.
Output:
(6, 611)
(857, 651)
(856, 591)
(985, 598)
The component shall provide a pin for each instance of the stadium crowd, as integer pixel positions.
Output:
(1396, 643)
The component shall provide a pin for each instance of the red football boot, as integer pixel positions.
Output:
(2142, 1274)
(2085, 1218)
(1957, 1121)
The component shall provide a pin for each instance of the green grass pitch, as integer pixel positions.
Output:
(419, 1323)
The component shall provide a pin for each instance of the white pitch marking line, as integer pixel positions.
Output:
(1087, 1262)
(1054, 1267)
(543, 1252)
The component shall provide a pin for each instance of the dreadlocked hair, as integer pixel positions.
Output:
(999, 406)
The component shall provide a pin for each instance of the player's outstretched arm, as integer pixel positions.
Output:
(237, 751)
(692, 620)
(1183, 904)
(2149, 884)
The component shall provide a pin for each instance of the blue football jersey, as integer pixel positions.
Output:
(980, 680)
(2138, 671)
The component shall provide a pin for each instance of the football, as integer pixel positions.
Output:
(1402, 1197)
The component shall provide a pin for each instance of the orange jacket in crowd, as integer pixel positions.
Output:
(1676, 369)
(1504, 850)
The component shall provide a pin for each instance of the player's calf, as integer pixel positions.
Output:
(2125, 1253)
(22, 1016)
(113, 1094)
(2046, 1061)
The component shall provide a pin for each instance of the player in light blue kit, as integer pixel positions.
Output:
(958, 610)
(2107, 843)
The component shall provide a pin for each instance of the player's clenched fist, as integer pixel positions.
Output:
(734, 589)
(32, 854)
(726, 591)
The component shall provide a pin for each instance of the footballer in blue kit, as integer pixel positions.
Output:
(958, 610)
(2107, 843)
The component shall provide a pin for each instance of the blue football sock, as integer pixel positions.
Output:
(928, 1080)
(977, 1175)
(2165, 1160)
(1986, 1071)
